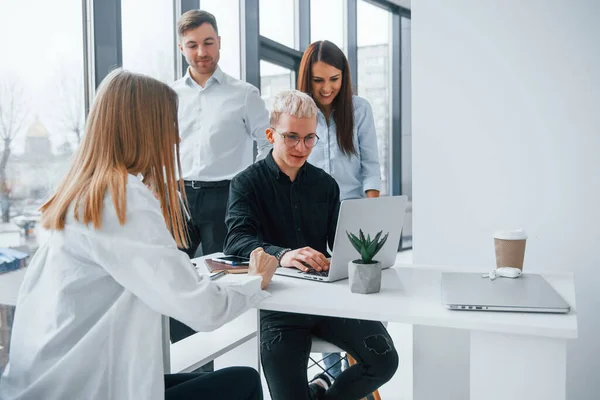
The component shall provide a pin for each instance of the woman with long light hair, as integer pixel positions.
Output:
(88, 320)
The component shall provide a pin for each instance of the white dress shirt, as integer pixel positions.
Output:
(217, 125)
(88, 320)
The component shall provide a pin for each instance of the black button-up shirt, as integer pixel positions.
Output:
(266, 209)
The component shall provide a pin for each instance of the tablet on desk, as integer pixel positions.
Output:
(232, 260)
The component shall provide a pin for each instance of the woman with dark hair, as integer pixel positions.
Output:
(347, 146)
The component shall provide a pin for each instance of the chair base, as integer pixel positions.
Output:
(351, 361)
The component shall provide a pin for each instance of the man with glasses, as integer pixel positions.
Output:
(290, 208)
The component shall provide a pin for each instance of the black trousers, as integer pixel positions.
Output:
(235, 383)
(285, 344)
(208, 205)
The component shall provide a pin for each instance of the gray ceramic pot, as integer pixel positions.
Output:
(364, 278)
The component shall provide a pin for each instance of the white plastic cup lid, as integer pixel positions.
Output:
(515, 234)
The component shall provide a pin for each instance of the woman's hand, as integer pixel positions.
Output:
(262, 264)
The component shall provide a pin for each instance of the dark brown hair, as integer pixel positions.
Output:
(343, 116)
(193, 19)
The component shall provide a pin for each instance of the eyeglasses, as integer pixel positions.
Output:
(292, 140)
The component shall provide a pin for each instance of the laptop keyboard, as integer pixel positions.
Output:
(318, 273)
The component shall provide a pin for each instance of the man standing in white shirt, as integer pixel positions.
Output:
(219, 118)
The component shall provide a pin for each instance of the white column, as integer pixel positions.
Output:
(440, 363)
(517, 367)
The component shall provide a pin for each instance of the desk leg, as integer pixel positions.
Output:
(517, 367)
(166, 343)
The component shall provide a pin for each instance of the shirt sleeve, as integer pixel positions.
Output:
(143, 257)
(243, 221)
(367, 142)
(257, 121)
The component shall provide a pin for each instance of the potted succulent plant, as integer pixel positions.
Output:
(365, 273)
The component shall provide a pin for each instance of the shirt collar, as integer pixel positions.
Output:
(321, 116)
(217, 76)
(278, 173)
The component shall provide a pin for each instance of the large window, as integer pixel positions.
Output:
(278, 21)
(42, 105)
(327, 21)
(42, 101)
(148, 33)
(274, 79)
(41, 120)
(374, 78)
(227, 13)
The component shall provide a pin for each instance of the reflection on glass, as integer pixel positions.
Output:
(41, 119)
(327, 21)
(148, 42)
(374, 80)
(227, 13)
(278, 22)
(274, 79)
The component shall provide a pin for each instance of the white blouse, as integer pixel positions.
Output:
(88, 317)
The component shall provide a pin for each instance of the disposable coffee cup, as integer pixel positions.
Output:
(510, 248)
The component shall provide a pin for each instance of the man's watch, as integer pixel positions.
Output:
(280, 254)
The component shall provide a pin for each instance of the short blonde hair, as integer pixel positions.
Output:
(292, 102)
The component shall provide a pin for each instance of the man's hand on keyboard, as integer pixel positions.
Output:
(304, 259)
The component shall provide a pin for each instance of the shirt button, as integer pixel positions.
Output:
(298, 230)
(295, 206)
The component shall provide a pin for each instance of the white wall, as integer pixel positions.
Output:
(506, 133)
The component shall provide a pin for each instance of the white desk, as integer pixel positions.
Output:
(527, 350)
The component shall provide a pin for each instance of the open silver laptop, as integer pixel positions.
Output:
(528, 293)
(371, 215)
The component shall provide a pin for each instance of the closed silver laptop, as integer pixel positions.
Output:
(528, 293)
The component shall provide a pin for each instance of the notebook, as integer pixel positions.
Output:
(214, 266)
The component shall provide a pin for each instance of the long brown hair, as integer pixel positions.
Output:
(343, 116)
(131, 128)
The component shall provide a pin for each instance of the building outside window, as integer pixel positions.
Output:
(41, 117)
